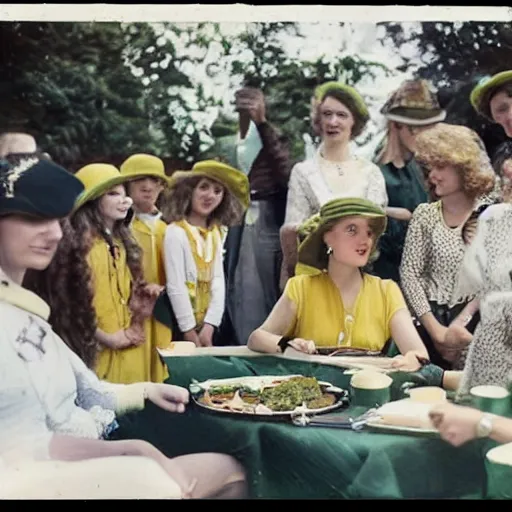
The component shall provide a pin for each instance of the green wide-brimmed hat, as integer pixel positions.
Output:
(312, 250)
(97, 180)
(481, 95)
(143, 165)
(234, 180)
(413, 103)
(359, 102)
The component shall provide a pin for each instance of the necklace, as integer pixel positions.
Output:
(329, 164)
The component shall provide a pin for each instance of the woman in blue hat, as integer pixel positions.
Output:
(54, 408)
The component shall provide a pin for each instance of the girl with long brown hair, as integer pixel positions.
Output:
(95, 284)
(201, 202)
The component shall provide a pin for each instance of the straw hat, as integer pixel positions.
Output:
(235, 181)
(142, 165)
(98, 179)
(413, 103)
(481, 95)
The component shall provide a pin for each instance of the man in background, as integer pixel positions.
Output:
(253, 251)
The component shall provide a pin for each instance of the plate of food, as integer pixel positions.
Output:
(403, 417)
(276, 396)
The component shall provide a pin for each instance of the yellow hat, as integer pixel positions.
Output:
(142, 165)
(234, 180)
(480, 96)
(97, 179)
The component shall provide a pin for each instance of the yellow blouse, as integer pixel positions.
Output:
(321, 316)
(200, 291)
(150, 237)
(112, 287)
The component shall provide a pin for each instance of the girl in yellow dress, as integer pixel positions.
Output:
(201, 202)
(122, 300)
(335, 304)
(147, 181)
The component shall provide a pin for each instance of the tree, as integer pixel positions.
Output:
(454, 56)
(258, 58)
(94, 91)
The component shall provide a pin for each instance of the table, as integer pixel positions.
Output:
(291, 462)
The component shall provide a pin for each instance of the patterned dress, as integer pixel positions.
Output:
(431, 262)
(486, 272)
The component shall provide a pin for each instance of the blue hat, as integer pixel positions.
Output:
(37, 187)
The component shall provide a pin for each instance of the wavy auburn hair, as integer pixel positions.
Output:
(67, 284)
(460, 147)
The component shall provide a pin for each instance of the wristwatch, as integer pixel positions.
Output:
(484, 426)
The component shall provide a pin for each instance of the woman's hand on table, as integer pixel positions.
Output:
(302, 345)
(408, 362)
(456, 424)
(167, 396)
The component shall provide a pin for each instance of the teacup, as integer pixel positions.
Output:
(427, 394)
(492, 399)
(498, 465)
(370, 389)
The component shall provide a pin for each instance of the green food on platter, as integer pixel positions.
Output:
(282, 395)
(291, 394)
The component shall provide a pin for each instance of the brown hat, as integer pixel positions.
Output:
(413, 103)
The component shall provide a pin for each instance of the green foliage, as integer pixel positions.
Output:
(100, 91)
(91, 91)
(458, 51)
(288, 83)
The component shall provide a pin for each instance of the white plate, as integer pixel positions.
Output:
(397, 429)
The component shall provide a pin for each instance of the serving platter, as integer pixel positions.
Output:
(268, 396)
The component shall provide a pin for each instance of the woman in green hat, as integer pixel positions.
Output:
(339, 305)
(492, 98)
(339, 115)
(57, 417)
(411, 109)
(200, 204)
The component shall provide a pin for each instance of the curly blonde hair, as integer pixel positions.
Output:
(461, 148)
(177, 202)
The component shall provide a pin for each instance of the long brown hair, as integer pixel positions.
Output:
(67, 284)
(177, 203)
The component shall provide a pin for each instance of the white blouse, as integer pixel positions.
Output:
(316, 181)
(180, 268)
(46, 388)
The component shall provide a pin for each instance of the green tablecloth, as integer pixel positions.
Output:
(287, 461)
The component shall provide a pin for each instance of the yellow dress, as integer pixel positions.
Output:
(321, 316)
(150, 237)
(112, 286)
(200, 292)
